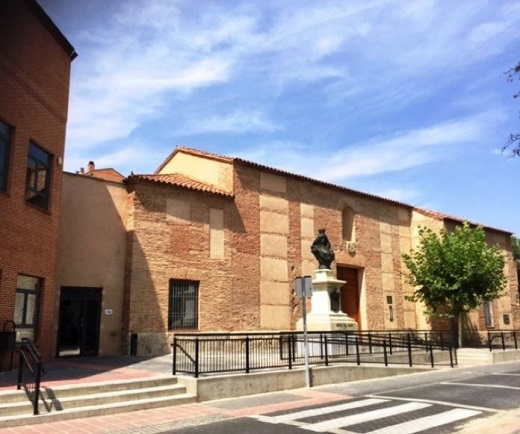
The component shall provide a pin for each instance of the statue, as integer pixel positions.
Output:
(334, 301)
(322, 250)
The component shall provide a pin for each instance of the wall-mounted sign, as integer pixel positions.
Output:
(109, 312)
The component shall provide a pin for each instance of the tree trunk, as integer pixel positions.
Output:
(459, 329)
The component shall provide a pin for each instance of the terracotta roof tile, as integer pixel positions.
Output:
(105, 174)
(180, 181)
(431, 213)
(441, 216)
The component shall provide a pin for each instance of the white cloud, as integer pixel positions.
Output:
(236, 122)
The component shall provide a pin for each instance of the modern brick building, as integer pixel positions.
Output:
(213, 243)
(35, 62)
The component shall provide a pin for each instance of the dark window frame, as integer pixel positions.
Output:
(183, 304)
(31, 324)
(6, 135)
(38, 167)
(489, 320)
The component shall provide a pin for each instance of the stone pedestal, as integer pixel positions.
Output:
(321, 317)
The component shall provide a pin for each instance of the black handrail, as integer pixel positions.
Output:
(30, 371)
(210, 353)
(507, 338)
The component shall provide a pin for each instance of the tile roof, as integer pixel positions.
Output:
(179, 180)
(192, 151)
(441, 216)
(281, 172)
(205, 154)
(105, 174)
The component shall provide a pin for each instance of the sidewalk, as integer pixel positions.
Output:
(88, 370)
(95, 369)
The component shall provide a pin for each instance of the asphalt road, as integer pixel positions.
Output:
(429, 403)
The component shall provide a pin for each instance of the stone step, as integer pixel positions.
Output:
(96, 410)
(473, 356)
(92, 399)
(106, 386)
(105, 398)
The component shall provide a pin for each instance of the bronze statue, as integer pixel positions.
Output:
(322, 250)
(335, 301)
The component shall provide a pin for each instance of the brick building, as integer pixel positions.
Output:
(35, 61)
(214, 243)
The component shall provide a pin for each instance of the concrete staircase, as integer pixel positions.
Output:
(473, 356)
(92, 399)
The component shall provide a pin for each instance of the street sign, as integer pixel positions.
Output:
(303, 286)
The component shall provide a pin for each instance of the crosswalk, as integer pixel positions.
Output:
(372, 416)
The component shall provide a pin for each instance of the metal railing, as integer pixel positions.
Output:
(210, 353)
(30, 371)
(503, 339)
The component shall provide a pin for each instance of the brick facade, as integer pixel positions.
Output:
(270, 219)
(34, 77)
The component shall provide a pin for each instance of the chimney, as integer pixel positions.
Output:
(81, 171)
(91, 166)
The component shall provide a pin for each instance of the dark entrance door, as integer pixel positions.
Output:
(350, 293)
(80, 312)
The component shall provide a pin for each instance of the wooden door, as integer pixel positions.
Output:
(350, 293)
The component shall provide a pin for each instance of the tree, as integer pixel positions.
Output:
(454, 272)
(515, 247)
(513, 142)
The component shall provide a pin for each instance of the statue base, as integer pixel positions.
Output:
(322, 317)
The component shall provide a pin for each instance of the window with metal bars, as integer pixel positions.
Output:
(183, 304)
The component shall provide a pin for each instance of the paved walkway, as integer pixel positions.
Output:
(95, 369)
(85, 370)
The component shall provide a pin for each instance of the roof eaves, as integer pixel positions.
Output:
(188, 184)
(445, 217)
(322, 183)
(192, 151)
(53, 28)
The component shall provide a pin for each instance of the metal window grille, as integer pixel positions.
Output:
(183, 306)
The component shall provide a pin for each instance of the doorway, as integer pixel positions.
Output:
(80, 313)
(350, 293)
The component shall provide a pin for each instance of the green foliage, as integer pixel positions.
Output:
(454, 272)
(515, 247)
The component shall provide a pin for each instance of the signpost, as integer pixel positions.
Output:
(303, 286)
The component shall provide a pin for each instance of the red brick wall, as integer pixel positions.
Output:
(34, 78)
(230, 288)
(159, 250)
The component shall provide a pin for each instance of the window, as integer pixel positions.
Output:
(347, 222)
(488, 313)
(183, 304)
(38, 176)
(26, 308)
(5, 140)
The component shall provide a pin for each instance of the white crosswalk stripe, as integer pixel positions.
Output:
(365, 413)
(321, 411)
(366, 417)
(423, 423)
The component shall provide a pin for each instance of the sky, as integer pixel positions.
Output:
(406, 100)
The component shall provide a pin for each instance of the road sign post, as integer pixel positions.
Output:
(304, 290)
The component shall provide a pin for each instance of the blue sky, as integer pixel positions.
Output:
(402, 99)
